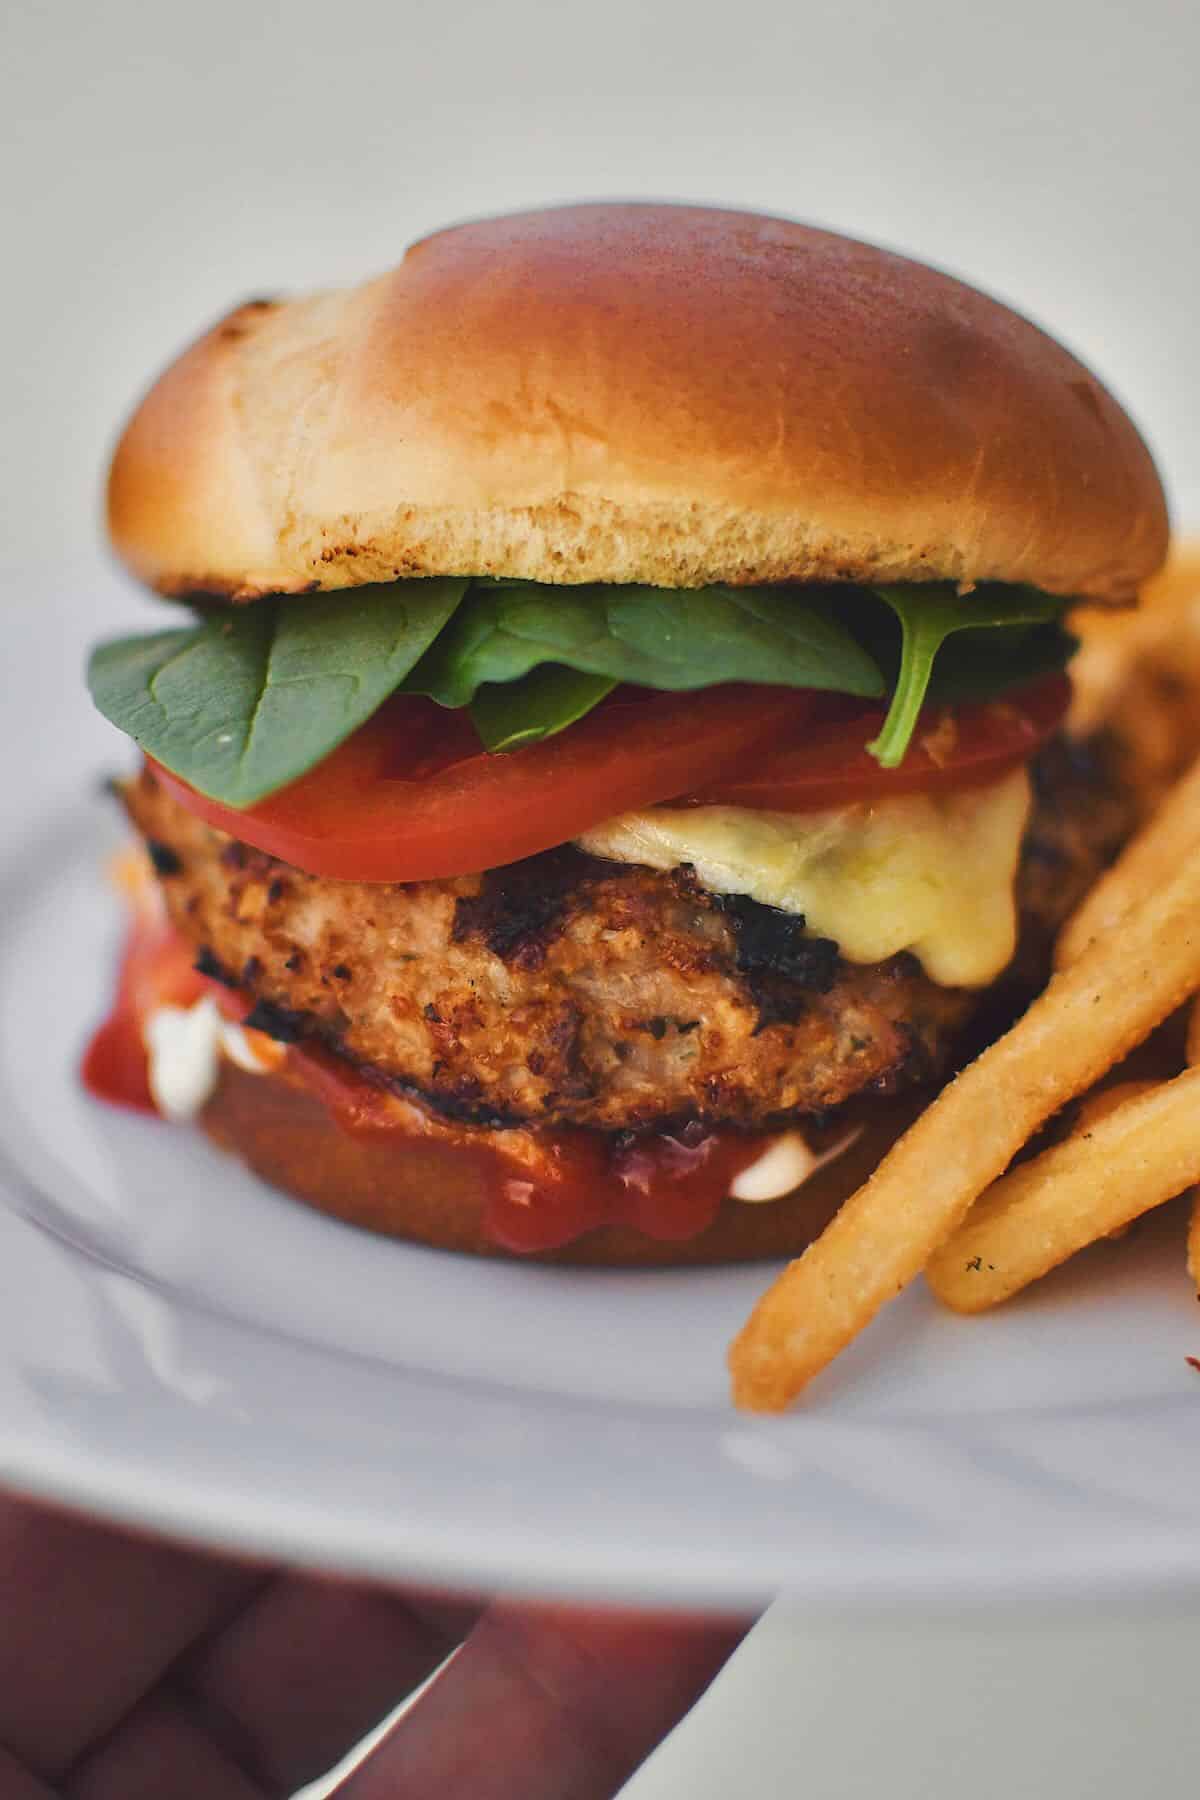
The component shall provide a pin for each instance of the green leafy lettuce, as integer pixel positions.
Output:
(251, 697)
(658, 637)
(998, 620)
(508, 715)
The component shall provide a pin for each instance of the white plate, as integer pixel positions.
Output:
(181, 1346)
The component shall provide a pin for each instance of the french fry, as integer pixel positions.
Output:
(1193, 1249)
(1150, 860)
(1091, 1015)
(1193, 1034)
(1096, 1106)
(1110, 1172)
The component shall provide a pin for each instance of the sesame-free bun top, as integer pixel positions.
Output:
(667, 394)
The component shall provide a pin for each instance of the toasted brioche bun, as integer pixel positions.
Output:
(666, 394)
(281, 1129)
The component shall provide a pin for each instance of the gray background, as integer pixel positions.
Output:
(163, 161)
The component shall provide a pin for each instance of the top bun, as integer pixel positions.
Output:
(667, 394)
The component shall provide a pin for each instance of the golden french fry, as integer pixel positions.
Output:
(1091, 1015)
(1150, 860)
(1105, 1175)
(1193, 1034)
(1098, 1105)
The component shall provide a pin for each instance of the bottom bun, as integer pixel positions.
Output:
(283, 1131)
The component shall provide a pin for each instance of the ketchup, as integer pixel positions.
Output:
(543, 1187)
(114, 1064)
(667, 1187)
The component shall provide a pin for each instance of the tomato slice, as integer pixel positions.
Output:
(827, 762)
(412, 796)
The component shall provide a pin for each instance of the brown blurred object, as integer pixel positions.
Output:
(1193, 1250)
(1137, 677)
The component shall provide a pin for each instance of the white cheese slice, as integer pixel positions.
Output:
(931, 873)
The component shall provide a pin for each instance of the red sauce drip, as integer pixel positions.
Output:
(544, 1188)
(667, 1187)
(114, 1064)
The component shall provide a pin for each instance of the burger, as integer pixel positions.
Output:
(611, 767)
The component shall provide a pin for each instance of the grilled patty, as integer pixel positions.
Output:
(569, 990)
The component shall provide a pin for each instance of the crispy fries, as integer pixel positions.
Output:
(1098, 1104)
(1127, 959)
(1151, 859)
(1091, 1015)
(1105, 1175)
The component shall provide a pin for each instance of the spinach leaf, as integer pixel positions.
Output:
(929, 613)
(659, 637)
(251, 697)
(254, 696)
(979, 667)
(509, 714)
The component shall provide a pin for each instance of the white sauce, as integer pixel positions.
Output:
(784, 1166)
(184, 1045)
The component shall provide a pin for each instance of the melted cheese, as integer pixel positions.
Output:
(931, 873)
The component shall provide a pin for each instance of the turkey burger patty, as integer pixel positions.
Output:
(560, 990)
(567, 989)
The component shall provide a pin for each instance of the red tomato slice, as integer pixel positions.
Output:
(827, 762)
(413, 797)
